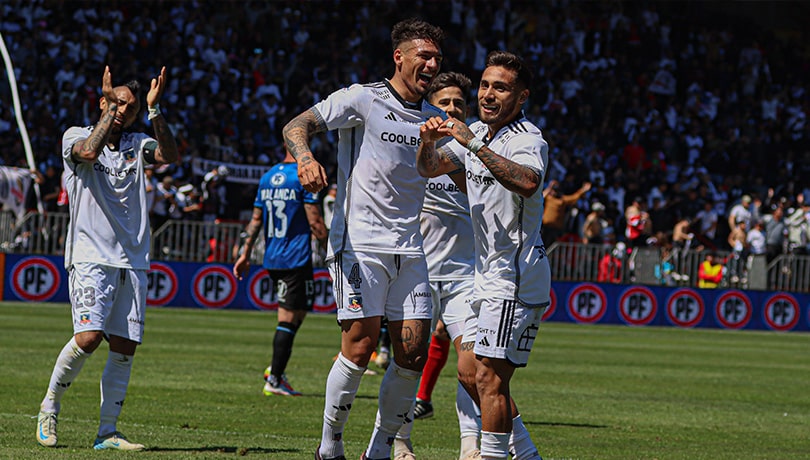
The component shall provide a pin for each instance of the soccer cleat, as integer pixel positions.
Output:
(474, 455)
(274, 386)
(383, 359)
(115, 441)
(46, 429)
(422, 409)
(318, 455)
(403, 449)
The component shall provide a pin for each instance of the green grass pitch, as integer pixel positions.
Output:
(589, 392)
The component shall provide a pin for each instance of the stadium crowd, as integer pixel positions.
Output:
(667, 126)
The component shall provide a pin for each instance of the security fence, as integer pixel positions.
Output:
(192, 241)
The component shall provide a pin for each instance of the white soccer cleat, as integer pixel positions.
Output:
(46, 429)
(116, 441)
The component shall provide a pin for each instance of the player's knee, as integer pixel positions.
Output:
(88, 341)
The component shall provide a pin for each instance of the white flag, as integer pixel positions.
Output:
(14, 184)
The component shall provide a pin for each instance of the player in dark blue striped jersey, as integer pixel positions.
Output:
(290, 216)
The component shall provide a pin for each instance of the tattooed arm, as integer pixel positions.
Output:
(88, 150)
(517, 178)
(431, 162)
(242, 264)
(296, 139)
(166, 151)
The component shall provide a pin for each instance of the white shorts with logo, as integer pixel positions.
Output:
(503, 329)
(451, 304)
(108, 299)
(367, 284)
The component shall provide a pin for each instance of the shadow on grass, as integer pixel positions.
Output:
(563, 424)
(225, 450)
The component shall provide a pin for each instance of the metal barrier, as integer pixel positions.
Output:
(191, 241)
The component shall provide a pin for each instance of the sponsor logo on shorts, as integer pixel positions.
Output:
(484, 342)
(355, 303)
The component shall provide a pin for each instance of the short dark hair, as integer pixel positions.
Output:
(135, 87)
(512, 62)
(414, 29)
(447, 80)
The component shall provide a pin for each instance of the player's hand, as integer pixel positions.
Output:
(311, 174)
(433, 129)
(457, 129)
(107, 87)
(241, 266)
(156, 88)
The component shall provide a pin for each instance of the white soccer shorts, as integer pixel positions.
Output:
(451, 303)
(369, 284)
(108, 299)
(503, 329)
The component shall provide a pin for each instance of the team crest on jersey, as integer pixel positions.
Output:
(278, 179)
(355, 303)
(129, 155)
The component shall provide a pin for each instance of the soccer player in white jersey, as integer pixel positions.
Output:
(448, 239)
(107, 249)
(375, 254)
(505, 158)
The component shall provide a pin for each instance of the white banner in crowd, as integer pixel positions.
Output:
(14, 184)
(239, 173)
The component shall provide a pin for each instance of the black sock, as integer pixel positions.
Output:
(282, 347)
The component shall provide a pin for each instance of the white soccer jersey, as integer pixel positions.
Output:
(447, 231)
(380, 192)
(109, 221)
(511, 260)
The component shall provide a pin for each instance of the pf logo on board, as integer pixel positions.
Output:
(685, 308)
(781, 312)
(162, 285)
(214, 286)
(261, 292)
(35, 278)
(733, 310)
(637, 306)
(587, 303)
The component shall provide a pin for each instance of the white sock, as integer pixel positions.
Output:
(469, 416)
(404, 430)
(67, 367)
(341, 388)
(114, 383)
(397, 394)
(520, 442)
(494, 445)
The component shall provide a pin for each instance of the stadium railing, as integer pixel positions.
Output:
(193, 241)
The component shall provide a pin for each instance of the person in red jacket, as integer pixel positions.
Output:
(610, 267)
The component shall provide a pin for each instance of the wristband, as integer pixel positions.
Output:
(153, 111)
(475, 144)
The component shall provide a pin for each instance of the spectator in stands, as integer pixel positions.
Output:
(775, 231)
(188, 202)
(706, 221)
(639, 225)
(798, 228)
(610, 266)
(164, 202)
(755, 240)
(740, 212)
(595, 222)
(682, 234)
(556, 208)
(710, 272)
(214, 193)
(50, 186)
